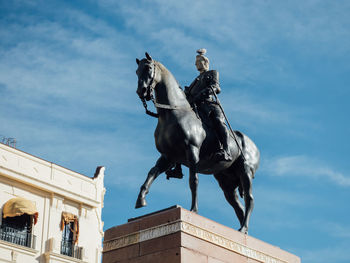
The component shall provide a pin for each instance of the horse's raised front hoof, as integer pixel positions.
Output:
(243, 230)
(141, 202)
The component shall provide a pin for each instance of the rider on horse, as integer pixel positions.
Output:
(201, 97)
(200, 94)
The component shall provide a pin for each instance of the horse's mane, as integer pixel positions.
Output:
(166, 71)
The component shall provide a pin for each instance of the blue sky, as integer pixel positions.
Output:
(68, 82)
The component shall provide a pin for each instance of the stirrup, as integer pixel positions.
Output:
(222, 155)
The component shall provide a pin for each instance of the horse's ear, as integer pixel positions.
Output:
(137, 61)
(148, 56)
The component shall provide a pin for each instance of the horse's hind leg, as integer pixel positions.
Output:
(193, 158)
(232, 198)
(246, 177)
(229, 188)
(161, 166)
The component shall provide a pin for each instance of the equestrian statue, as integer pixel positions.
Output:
(192, 130)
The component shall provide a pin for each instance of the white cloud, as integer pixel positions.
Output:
(248, 25)
(333, 229)
(69, 65)
(246, 38)
(332, 253)
(70, 92)
(242, 105)
(300, 165)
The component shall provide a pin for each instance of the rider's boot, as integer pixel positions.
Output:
(224, 153)
(176, 172)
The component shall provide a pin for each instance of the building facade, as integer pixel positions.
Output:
(48, 213)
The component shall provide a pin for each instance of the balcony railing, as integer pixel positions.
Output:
(68, 249)
(17, 237)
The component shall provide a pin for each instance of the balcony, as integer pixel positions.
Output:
(68, 249)
(17, 237)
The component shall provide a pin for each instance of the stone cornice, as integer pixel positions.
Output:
(49, 177)
(193, 230)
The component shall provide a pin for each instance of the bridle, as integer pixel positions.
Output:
(150, 91)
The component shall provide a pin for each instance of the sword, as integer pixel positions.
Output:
(228, 123)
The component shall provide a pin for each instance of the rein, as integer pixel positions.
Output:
(148, 112)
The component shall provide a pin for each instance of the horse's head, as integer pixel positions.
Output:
(145, 72)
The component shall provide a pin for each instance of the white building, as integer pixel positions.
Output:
(48, 213)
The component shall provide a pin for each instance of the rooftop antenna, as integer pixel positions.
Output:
(9, 141)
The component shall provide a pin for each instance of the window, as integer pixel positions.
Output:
(17, 223)
(67, 239)
(70, 235)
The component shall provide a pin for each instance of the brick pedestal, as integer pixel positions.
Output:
(176, 235)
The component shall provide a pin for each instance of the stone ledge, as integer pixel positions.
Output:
(62, 258)
(18, 248)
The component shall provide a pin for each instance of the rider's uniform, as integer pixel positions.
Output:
(200, 94)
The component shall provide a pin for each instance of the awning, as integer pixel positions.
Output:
(18, 206)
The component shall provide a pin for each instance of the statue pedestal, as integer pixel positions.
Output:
(177, 235)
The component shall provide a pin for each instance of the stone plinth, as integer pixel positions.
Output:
(177, 235)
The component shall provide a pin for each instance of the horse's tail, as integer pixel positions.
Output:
(250, 152)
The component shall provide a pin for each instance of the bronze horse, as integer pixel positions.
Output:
(181, 137)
